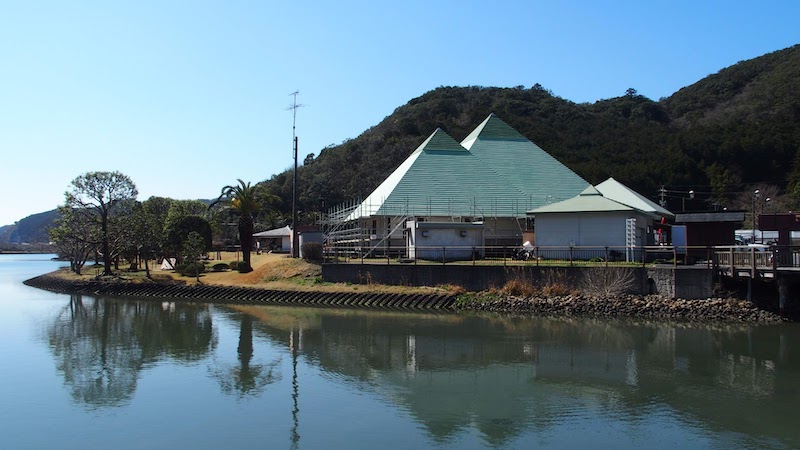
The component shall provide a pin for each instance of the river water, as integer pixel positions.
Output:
(87, 372)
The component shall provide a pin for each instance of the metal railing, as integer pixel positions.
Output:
(727, 257)
(494, 255)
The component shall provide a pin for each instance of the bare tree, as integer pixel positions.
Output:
(608, 281)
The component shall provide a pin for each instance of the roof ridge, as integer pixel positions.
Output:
(611, 184)
(440, 140)
(493, 128)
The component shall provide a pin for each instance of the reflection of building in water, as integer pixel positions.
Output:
(606, 365)
(451, 376)
(731, 360)
(507, 377)
(747, 375)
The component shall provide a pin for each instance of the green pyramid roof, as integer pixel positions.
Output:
(493, 128)
(495, 172)
(440, 178)
(541, 178)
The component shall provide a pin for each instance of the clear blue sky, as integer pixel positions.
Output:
(185, 97)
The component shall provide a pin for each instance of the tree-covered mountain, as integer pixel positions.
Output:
(33, 229)
(724, 135)
(729, 131)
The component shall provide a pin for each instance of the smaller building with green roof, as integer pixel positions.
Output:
(609, 215)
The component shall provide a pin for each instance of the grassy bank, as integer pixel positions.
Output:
(270, 271)
(278, 278)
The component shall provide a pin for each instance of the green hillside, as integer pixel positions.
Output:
(30, 230)
(721, 137)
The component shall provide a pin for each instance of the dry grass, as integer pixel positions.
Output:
(556, 285)
(266, 268)
(270, 271)
(519, 287)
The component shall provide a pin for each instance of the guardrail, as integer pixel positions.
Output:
(506, 255)
(762, 258)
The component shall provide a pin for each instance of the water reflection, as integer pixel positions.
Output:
(245, 378)
(100, 345)
(505, 381)
(511, 376)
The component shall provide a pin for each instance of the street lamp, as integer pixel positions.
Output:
(683, 200)
(756, 194)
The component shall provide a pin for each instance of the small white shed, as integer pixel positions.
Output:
(444, 241)
(278, 239)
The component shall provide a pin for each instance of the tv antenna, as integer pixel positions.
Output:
(293, 108)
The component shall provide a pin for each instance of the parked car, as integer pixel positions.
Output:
(756, 247)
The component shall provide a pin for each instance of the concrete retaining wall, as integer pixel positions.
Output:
(240, 295)
(686, 282)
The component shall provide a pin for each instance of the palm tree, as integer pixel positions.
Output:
(247, 200)
(246, 378)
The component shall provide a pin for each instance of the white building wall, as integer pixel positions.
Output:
(286, 243)
(444, 241)
(587, 229)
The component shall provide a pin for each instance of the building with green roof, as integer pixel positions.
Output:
(609, 215)
(535, 174)
(493, 178)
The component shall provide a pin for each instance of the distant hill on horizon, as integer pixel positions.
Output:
(729, 131)
(33, 229)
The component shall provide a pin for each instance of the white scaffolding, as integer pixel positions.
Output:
(368, 228)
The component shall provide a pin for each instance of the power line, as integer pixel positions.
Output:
(742, 184)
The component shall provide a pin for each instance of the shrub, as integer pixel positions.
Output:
(519, 287)
(243, 267)
(220, 267)
(312, 251)
(180, 267)
(453, 289)
(193, 270)
(608, 282)
(557, 285)
(556, 290)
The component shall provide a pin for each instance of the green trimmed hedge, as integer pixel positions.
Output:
(220, 267)
(193, 270)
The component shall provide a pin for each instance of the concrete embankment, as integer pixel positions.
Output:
(238, 295)
(645, 307)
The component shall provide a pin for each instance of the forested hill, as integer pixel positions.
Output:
(730, 130)
(31, 229)
(727, 133)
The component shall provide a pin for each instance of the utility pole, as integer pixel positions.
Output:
(295, 249)
(663, 193)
